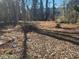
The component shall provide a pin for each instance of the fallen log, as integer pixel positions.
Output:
(5, 41)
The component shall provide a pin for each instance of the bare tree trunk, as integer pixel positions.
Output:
(53, 10)
(41, 10)
(47, 10)
(34, 10)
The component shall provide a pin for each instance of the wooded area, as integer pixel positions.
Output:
(39, 10)
(39, 29)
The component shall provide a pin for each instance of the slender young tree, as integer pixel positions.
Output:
(23, 9)
(41, 10)
(53, 10)
(34, 9)
(47, 10)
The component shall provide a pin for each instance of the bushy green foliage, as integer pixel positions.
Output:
(76, 8)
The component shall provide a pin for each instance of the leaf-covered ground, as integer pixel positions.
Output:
(38, 46)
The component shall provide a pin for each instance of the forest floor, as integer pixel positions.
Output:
(39, 46)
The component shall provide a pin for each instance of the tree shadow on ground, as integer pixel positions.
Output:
(32, 28)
